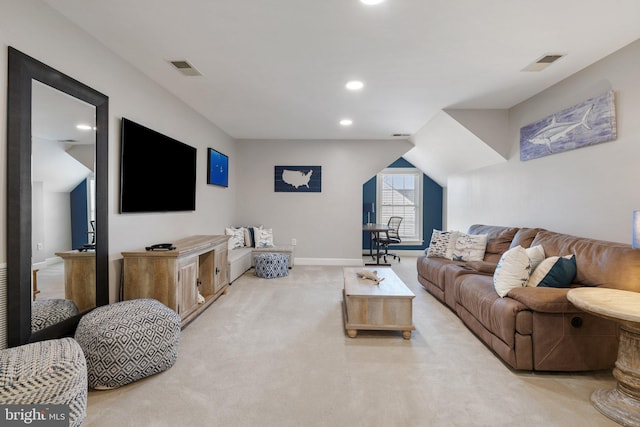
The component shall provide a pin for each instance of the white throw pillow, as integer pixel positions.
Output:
(536, 256)
(237, 237)
(470, 247)
(263, 237)
(512, 271)
(442, 244)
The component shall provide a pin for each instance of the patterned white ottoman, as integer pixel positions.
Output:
(270, 265)
(47, 312)
(128, 341)
(50, 372)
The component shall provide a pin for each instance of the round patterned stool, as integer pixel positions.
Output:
(270, 265)
(52, 372)
(128, 341)
(48, 312)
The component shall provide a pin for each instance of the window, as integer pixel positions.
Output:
(400, 194)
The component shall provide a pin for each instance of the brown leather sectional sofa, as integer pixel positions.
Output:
(535, 328)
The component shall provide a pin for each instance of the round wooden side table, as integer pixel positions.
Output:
(621, 404)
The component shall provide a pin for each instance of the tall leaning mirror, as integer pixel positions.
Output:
(57, 248)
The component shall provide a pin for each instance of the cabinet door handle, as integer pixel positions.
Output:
(217, 270)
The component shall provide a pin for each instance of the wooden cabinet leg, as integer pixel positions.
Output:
(406, 335)
(352, 333)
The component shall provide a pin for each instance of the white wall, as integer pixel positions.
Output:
(588, 192)
(36, 30)
(57, 225)
(326, 225)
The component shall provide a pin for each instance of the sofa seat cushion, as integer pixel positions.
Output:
(498, 315)
(450, 274)
(482, 267)
(441, 274)
(433, 269)
(236, 254)
(238, 261)
(274, 249)
(544, 300)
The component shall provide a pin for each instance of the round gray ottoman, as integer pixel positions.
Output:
(45, 373)
(128, 341)
(47, 312)
(271, 265)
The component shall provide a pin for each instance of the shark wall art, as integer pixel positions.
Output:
(588, 123)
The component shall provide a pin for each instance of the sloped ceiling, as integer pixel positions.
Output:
(445, 146)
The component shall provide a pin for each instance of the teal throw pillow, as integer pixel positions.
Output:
(562, 273)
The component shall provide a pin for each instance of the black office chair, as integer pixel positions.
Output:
(391, 237)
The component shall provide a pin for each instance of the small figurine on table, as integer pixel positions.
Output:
(371, 275)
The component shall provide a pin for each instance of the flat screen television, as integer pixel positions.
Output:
(217, 168)
(157, 173)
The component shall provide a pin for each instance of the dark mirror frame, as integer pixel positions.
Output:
(22, 71)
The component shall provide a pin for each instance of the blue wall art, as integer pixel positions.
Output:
(298, 179)
(590, 122)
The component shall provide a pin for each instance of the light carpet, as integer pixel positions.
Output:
(273, 352)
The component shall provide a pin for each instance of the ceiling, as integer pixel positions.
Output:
(276, 69)
(62, 154)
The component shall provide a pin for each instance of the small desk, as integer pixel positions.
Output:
(621, 404)
(375, 229)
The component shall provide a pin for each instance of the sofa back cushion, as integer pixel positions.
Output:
(524, 237)
(498, 239)
(599, 263)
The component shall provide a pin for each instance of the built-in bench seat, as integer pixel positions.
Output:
(241, 259)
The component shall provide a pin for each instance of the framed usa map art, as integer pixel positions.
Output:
(590, 122)
(298, 179)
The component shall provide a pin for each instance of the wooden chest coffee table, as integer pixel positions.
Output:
(386, 306)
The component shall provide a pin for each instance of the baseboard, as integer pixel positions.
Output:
(38, 265)
(409, 252)
(329, 261)
(53, 260)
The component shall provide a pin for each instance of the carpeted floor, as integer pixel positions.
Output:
(274, 353)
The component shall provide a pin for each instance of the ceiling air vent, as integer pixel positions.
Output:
(401, 134)
(186, 68)
(544, 62)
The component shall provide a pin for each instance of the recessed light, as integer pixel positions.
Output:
(346, 122)
(84, 127)
(354, 85)
(371, 2)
